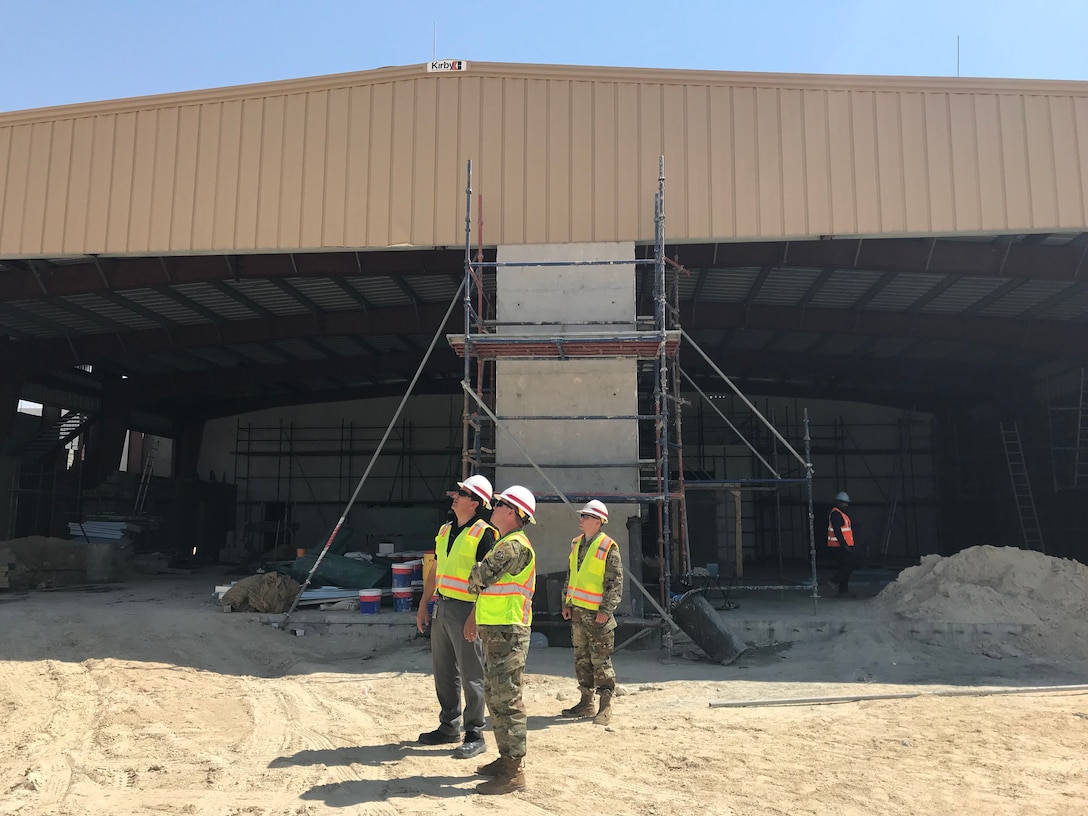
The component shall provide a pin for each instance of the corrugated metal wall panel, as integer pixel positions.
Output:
(866, 170)
(207, 174)
(512, 205)
(768, 161)
(601, 174)
(745, 167)
(631, 202)
(964, 158)
(792, 146)
(912, 134)
(403, 142)
(423, 199)
(582, 205)
(1014, 162)
(991, 172)
(465, 130)
(1068, 163)
(559, 154)
(164, 175)
(358, 162)
(1080, 121)
(16, 142)
(334, 198)
(649, 124)
(817, 164)
(887, 132)
(938, 166)
(1040, 144)
(316, 152)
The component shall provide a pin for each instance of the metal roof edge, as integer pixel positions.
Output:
(666, 76)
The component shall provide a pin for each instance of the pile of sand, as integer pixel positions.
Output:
(1047, 596)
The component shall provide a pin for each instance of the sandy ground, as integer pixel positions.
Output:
(147, 699)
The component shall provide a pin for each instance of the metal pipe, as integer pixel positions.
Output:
(468, 390)
(467, 295)
(730, 425)
(811, 534)
(744, 399)
(906, 695)
(619, 262)
(374, 458)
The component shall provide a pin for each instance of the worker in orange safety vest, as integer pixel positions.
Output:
(840, 544)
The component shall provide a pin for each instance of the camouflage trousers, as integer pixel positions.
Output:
(593, 646)
(505, 649)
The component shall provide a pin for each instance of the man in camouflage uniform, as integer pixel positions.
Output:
(505, 580)
(594, 589)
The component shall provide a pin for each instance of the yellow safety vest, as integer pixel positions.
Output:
(453, 564)
(586, 588)
(510, 599)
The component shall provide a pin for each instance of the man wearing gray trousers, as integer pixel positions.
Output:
(458, 663)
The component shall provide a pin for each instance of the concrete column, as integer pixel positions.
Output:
(597, 457)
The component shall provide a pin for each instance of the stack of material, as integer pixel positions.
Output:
(102, 531)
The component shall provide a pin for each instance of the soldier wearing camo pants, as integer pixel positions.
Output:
(594, 589)
(505, 580)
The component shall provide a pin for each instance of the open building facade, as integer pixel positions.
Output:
(252, 277)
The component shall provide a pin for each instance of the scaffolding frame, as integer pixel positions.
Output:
(656, 340)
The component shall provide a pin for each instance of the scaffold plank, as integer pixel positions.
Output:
(641, 345)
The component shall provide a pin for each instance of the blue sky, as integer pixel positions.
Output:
(61, 51)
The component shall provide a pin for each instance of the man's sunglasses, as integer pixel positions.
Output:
(586, 516)
(500, 503)
(465, 494)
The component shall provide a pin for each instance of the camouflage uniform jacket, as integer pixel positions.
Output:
(613, 575)
(506, 557)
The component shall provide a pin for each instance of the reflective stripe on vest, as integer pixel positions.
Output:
(453, 564)
(510, 599)
(586, 587)
(847, 531)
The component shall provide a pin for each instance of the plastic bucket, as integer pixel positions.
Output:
(402, 600)
(402, 576)
(417, 570)
(370, 601)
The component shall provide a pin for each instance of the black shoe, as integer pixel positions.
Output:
(439, 737)
(472, 746)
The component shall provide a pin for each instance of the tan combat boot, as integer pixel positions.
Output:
(604, 713)
(495, 767)
(512, 778)
(584, 708)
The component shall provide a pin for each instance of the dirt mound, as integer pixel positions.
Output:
(1046, 595)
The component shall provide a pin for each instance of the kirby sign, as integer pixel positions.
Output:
(447, 65)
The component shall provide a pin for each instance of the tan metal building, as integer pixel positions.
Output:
(376, 159)
(169, 261)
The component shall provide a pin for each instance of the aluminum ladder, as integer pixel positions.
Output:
(145, 475)
(1021, 488)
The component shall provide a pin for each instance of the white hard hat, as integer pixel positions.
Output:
(596, 508)
(480, 486)
(842, 496)
(521, 498)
